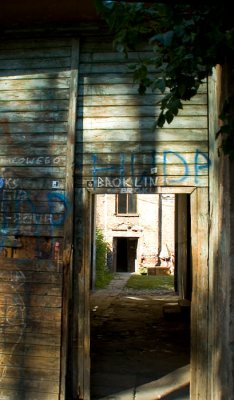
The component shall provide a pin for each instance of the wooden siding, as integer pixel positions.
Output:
(35, 80)
(117, 146)
(116, 150)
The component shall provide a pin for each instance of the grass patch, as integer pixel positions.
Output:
(102, 280)
(103, 274)
(151, 282)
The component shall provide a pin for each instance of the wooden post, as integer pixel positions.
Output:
(181, 235)
(81, 312)
(220, 362)
(199, 305)
(68, 223)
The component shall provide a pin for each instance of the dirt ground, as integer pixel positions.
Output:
(136, 337)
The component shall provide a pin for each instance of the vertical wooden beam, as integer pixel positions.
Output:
(68, 223)
(220, 385)
(194, 299)
(199, 307)
(86, 272)
(182, 244)
(214, 245)
(81, 314)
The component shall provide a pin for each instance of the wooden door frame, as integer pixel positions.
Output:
(200, 295)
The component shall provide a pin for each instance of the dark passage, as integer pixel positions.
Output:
(126, 254)
(133, 342)
(122, 255)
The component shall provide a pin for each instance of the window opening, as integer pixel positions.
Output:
(126, 203)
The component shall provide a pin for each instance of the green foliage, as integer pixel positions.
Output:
(151, 282)
(187, 41)
(103, 275)
(227, 128)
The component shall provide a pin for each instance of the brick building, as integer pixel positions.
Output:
(138, 228)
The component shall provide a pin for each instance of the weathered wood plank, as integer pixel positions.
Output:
(127, 183)
(32, 53)
(22, 64)
(28, 207)
(6, 394)
(144, 147)
(36, 94)
(112, 56)
(29, 373)
(37, 325)
(32, 338)
(34, 84)
(36, 183)
(37, 128)
(118, 88)
(24, 349)
(142, 123)
(32, 196)
(31, 362)
(24, 105)
(36, 172)
(31, 218)
(33, 265)
(32, 276)
(146, 135)
(33, 301)
(22, 326)
(144, 170)
(28, 116)
(31, 230)
(47, 72)
(148, 190)
(103, 68)
(127, 99)
(150, 159)
(30, 384)
(27, 74)
(138, 112)
(45, 289)
(35, 43)
(89, 44)
(32, 161)
(28, 150)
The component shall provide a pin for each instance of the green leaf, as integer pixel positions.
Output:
(160, 84)
(169, 116)
(161, 120)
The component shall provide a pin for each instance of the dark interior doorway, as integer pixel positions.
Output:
(126, 254)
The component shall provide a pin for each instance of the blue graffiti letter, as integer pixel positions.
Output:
(186, 168)
(199, 163)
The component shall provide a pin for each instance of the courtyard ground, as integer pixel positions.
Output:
(140, 344)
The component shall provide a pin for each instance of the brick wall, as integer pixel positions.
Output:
(145, 225)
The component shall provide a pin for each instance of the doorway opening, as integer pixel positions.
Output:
(126, 254)
(138, 337)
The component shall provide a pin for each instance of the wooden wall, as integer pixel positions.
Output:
(116, 143)
(34, 118)
(116, 149)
